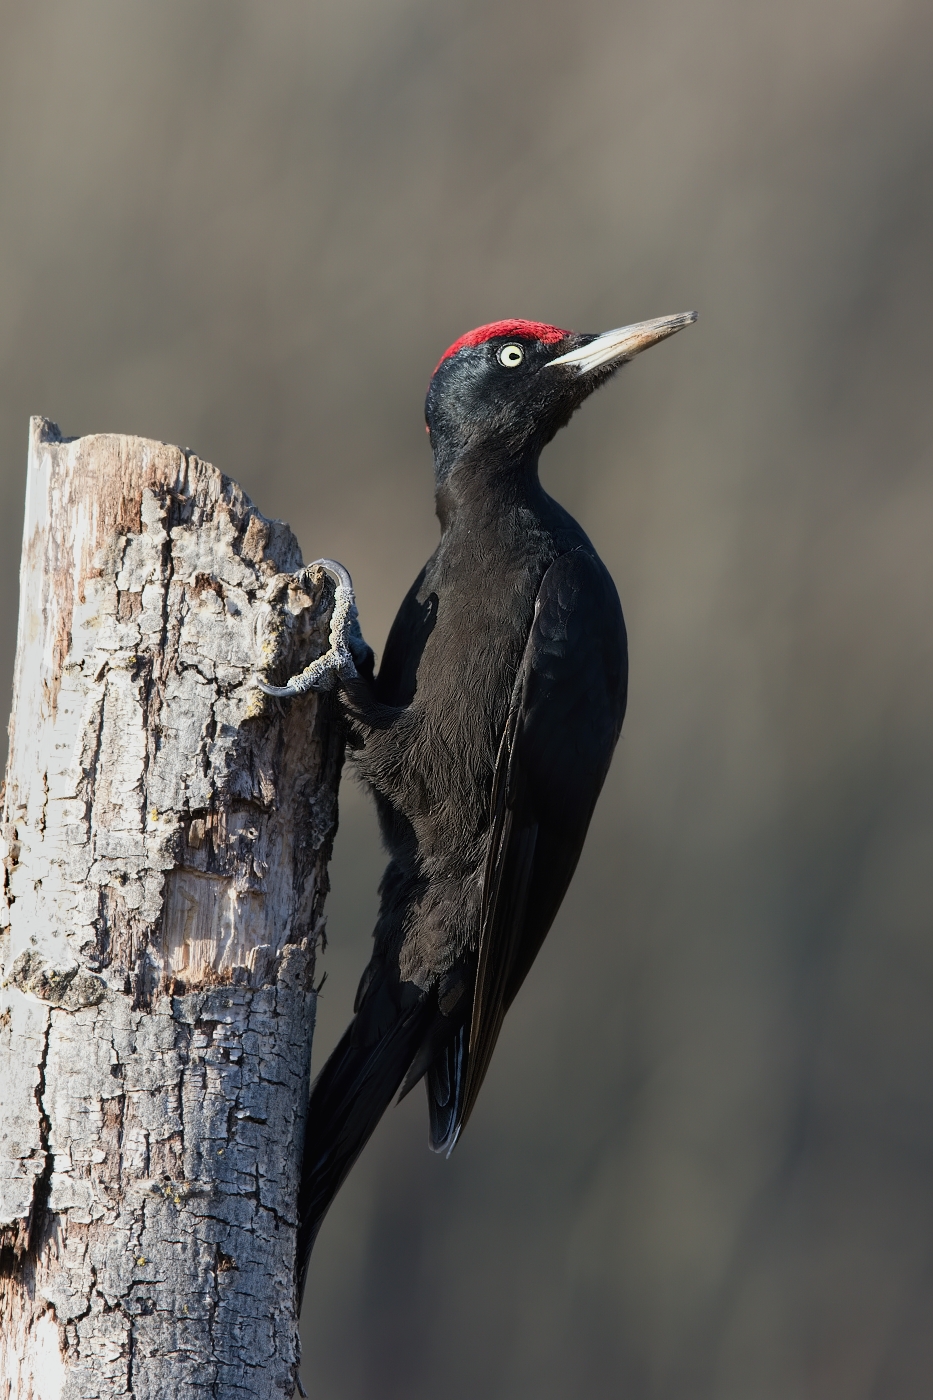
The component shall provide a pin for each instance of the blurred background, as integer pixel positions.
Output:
(702, 1162)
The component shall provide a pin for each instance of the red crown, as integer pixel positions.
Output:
(535, 330)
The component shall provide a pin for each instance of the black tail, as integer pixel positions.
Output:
(446, 1080)
(350, 1095)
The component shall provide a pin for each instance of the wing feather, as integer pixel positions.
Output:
(564, 719)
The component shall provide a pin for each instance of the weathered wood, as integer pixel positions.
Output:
(166, 833)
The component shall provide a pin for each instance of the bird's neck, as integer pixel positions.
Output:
(485, 484)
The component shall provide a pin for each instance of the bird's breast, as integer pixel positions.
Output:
(454, 658)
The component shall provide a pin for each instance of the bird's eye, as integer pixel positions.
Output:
(510, 356)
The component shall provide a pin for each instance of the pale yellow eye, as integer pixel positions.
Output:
(510, 356)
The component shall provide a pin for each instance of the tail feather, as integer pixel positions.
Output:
(350, 1095)
(445, 1082)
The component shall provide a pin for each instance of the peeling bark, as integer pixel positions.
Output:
(166, 831)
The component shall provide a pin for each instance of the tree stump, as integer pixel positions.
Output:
(166, 832)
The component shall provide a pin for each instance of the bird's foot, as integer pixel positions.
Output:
(347, 649)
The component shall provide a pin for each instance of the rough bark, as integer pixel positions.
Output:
(166, 833)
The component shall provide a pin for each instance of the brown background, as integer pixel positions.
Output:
(702, 1163)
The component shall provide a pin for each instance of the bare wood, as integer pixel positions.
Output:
(166, 833)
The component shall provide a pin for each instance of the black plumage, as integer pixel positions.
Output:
(485, 740)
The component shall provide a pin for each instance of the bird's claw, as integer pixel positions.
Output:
(347, 648)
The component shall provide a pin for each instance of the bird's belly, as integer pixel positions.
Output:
(431, 770)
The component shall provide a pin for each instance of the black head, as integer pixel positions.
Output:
(501, 392)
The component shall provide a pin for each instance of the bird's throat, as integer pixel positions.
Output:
(479, 485)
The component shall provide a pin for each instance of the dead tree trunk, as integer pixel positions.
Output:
(166, 834)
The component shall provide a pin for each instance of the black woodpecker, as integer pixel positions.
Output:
(484, 739)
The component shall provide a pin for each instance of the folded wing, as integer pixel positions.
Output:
(566, 712)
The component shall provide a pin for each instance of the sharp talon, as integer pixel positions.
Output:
(346, 640)
(337, 572)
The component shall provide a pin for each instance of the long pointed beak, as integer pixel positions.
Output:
(624, 343)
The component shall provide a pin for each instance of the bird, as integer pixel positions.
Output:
(484, 738)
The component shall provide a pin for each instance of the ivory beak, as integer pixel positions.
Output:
(624, 343)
